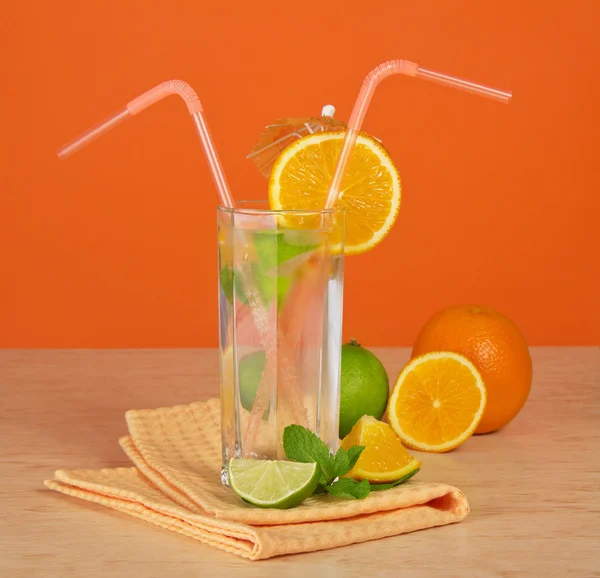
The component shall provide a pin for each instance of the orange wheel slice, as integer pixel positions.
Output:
(370, 191)
(437, 402)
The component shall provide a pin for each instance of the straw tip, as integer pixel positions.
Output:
(63, 152)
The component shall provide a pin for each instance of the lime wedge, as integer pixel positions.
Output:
(273, 483)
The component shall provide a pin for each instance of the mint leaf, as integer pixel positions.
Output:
(320, 490)
(276, 247)
(302, 445)
(226, 280)
(377, 487)
(347, 488)
(345, 459)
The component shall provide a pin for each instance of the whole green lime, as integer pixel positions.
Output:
(364, 386)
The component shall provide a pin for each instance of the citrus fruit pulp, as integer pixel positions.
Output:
(437, 402)
(273, 483)
(370, 191)
(494, 344)
(384, 458)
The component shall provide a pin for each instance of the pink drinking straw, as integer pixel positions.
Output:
(260, 315)
(186, 92)
(361, 105)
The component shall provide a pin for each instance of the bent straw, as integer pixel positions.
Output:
(365, 95)
(179, 87)
(142, 102)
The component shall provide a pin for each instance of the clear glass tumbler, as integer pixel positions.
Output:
(280, 325)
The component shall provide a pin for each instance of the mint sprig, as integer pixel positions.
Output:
(347, 488)
(302, 445)
(345, 460)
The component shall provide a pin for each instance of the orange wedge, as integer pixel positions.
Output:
(370, 190)
(437, 402)
(384, 458)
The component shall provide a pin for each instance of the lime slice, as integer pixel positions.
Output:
(273, 483)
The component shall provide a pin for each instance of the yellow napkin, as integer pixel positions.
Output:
(176, 485)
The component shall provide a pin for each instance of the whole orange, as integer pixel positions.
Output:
(495, 346)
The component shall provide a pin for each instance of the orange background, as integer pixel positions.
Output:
(116, 246)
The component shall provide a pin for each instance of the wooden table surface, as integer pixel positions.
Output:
(534, 487)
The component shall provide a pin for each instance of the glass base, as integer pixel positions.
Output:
(225, 474)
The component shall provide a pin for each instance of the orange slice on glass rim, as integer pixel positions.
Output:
(370, 191)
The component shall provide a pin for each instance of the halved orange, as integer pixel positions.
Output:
(384, 458)
(370, 191)
(437, 402)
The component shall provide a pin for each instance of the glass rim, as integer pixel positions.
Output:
(244, 210)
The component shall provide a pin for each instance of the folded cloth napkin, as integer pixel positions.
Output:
(176, 484)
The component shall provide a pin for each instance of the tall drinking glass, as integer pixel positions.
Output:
(280, 325)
